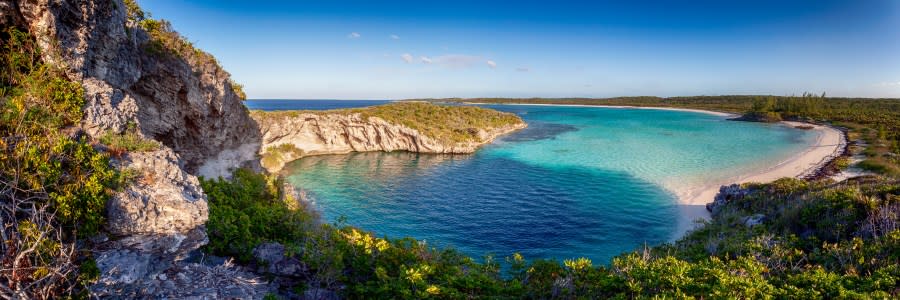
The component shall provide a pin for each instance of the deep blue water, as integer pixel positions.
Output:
(591, 182)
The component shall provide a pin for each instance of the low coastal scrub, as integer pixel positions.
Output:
(128, 141)
(275, 156)
(53, 184)
(808, 240)
(446, 124)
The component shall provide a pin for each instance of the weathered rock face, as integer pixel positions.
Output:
(315, 134)
(185, 103)
(164, 199)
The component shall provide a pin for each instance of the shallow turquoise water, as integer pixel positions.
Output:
(577, 182)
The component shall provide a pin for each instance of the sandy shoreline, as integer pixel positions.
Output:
(709, 112)
(692, 200)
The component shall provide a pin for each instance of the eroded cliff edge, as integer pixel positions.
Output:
(290, 135)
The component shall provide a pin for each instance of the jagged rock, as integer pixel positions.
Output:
(272, 260)
(753, 220)
(315, 134)
(187, 103)
(164, 200)
(726, 194)
(320, 294)
(181, 281)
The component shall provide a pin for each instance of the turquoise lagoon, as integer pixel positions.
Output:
(579, 181)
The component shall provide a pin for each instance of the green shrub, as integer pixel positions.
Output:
(55, 185)
(128, 141)
(842, 163)
(275, 156)
(248, 210)
(238, 89)
(878, 166)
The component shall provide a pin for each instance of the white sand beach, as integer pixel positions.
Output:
(692, 199)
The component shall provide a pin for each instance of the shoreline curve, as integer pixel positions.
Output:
(692, 200)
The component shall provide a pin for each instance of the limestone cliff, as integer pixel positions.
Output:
(308, 133)
(185, 102)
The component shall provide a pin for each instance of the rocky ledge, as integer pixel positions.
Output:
(287, 137)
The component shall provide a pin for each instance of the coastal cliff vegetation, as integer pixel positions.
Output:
(54, 184)
(446, 124)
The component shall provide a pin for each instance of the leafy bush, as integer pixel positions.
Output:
(248, 210)
(53, 184)
(238, 89)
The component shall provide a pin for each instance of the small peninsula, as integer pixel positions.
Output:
(409, 126)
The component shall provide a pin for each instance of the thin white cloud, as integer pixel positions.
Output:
(522, 69)
(395, 37)
(456, 61)
(491, 64)
(354, 35)
(408, 58)
(888, 84)
(425, 60)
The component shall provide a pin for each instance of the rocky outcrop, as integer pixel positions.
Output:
(162, 199)
(727, 193)
(184, 102)
(187, 103)
(336, 133)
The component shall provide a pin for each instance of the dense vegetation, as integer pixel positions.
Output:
(53, 184)
(875, 122)
(815, 240)
(447, 124)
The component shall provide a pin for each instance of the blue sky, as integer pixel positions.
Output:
(406, 49)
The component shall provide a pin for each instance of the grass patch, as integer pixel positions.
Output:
(128, 141)
(275, 156)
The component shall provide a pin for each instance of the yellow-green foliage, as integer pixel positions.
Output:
(238, 89)
(851, 250)
(446, 124)
(37, 102)
(53, 184)
(248, 210)
(274, 156)
(441, 122)
(129, 141)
